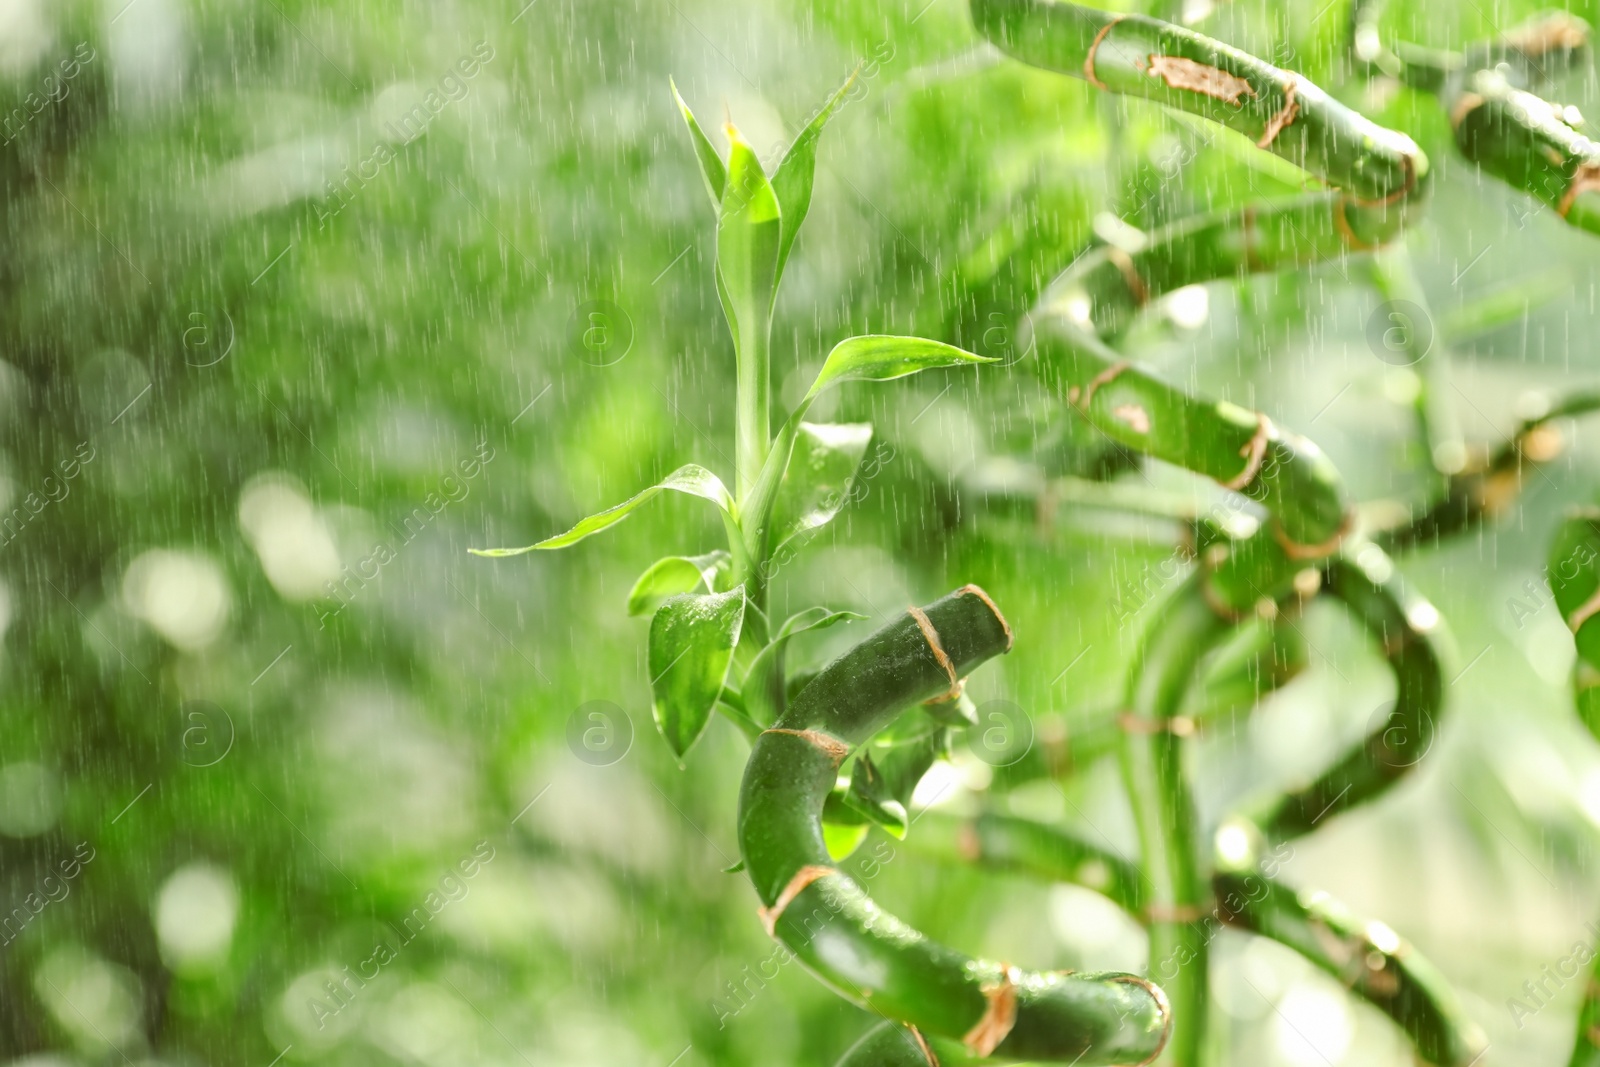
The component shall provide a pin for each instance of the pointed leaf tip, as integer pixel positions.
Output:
(691, 478)
(712, 170)
(882, 357)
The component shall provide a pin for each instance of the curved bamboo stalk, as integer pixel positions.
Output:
(1405, 628)
(833, 926)
(1181, 634)
(1486, 492)
(1368, 958)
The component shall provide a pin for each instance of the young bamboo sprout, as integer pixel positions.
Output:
(706, 607)
(830, 923)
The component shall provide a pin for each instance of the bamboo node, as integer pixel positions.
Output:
(1120, 259)
(1088, 60)
(1254, 451)
(1164, 1006)
(802, 878)
(1584, 612)
(1466, 104)
(1173, 913)
(1295, 550)
(1178, 725)
(972, 590)
(1585, 179)
(932, 637)
(1105, 377)
(999, 1016)
(1279, 122)
(834, 748)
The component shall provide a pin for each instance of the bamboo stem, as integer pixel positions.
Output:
(1175, 645)
(1368, 958)
(1405, 628)
(832, 925)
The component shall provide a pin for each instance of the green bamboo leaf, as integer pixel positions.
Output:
(690, 478)
(763, 683)
(676, 574)
(820, 477)
(749, 233)
(873, 357)
(793, 180)
(691, 644)
(711, 166)
(881, 357)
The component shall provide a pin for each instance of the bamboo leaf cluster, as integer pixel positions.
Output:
(840, 750)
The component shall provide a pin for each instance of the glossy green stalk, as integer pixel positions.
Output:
(891, 1044)
(1179, 637)
(1573, 572)
(1530, 144)
(1486, 492)
(998, 842)
(1586, 1049)
(1420, 346)
(1501, 122)
(1281, 111)
(830, 923)
(1368, 958)
(1405, 628)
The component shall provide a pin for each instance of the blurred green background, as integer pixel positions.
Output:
(307, 310)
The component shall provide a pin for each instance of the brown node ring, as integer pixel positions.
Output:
(1585, 179)
(1159, 995)
(999, 1016)
(931, 635)
(1120, 259)
(802, 878)
(1173, 913)
(831, 746)
(1286, 115)
(1088, 60)
(1254, 451)
(1295, 550)
(1177, 725)
(1105, 377)
(972, 590)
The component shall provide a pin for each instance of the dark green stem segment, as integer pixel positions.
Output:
(1573, 571)
(891, 1044)
(1488, 491)
(1574, 574)
(1586, 1049)
(999, 842)
(1530, 144)
(1279, 110)
(830, 923)
(1180, 635)
(1368, 958)
(1381, 176)
(1404, 627)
